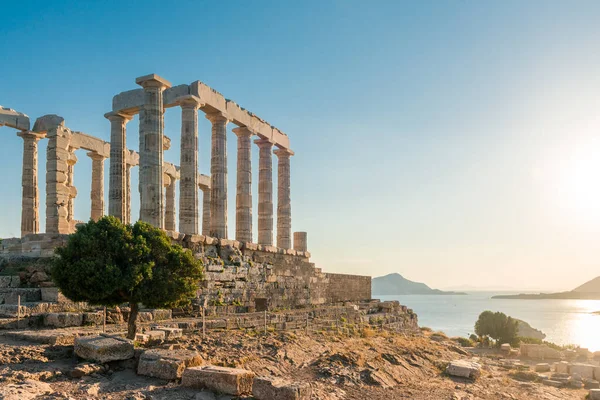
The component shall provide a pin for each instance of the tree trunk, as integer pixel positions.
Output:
(132, 322)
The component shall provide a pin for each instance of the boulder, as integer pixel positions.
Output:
(231, 381)
(84, 369)
(103, 349)
(464, 369)
(265, 388)
(167, 364)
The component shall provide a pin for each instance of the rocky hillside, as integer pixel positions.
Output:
(396, 284)
(592, 286)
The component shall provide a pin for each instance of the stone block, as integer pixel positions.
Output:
(586, 371)
(542, 367)
(167, 364)
(63, 319)
(594, 394)
(145, 316)
(549, 382)
(141, 338)
(103, 349)
(161, 314)
(591, 384)
(265, 388)
(561, 367)
(155, 336)
(230, 381)
(597, 373)
(170, 333)
(93, 318)
(464, 369)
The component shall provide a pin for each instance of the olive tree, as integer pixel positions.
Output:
(109, 263)
(497, 326)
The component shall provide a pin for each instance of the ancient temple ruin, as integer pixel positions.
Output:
(260, 267)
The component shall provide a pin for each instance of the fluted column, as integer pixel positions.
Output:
(117, 200)
(243, 207)
(284, 201)
(265, 192)
(151, 150)
(205, 210)
(169, 183)
(97, 192)
(30, 214)
(218, 172)
(57, 190)
(71, 161)
(188, 164)
(128, 194)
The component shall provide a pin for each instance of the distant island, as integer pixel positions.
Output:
(588, 291)
(396, 284)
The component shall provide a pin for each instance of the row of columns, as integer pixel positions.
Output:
(214, 216)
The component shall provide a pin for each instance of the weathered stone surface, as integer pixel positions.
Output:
(265, 192)
(167, 364)
(594, 394)
(103, 348)
(14, 119)
(62, 320)
(26, 390)
(542, 367)
(264, 388)
(218, 173)
(549, 382)
(170, 333)
(155, 336)
(84, 369)
(284, 201)
(464, 369)
(586, 371)
(561, 367)
(231, 381)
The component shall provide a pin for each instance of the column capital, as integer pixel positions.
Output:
(31, 135)
(263, 142)
(217, 117)
(243, 131)
(95, 156)
(189, 101)
(153, 80)
(72, 160)
(118, 116)
(282, 153)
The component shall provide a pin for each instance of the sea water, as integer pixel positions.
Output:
(563, 321)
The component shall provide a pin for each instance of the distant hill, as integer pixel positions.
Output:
(588, 291)
(396, 284)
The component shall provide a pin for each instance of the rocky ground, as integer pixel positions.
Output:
(372, 365)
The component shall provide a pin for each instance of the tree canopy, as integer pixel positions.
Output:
(109, 263)
(497, 326)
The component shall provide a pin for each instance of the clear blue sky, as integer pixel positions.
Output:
(454, 142)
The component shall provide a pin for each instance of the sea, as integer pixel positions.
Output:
(565, 322)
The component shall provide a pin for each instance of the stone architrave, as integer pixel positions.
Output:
(265, 192)
(58, 192)
(218, 173)
(151, 149)
(30, 214)
(243, 209)
(169, 183)
(188, 184)
(117, 199)
(205, 210)
(97, 192)
(284, 202)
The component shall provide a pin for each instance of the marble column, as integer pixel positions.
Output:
(151, 149)
(243, 207)
(300, 241)
(128, 193)
(169, 183)
(205, 210)
(30, 214)
(218, 174)
(117, 200)
(265, 192)
(284, 202)
(188, 164)
(97, 193)
(57, 191)
(71, 161)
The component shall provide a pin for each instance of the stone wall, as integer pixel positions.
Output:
(342, 287)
